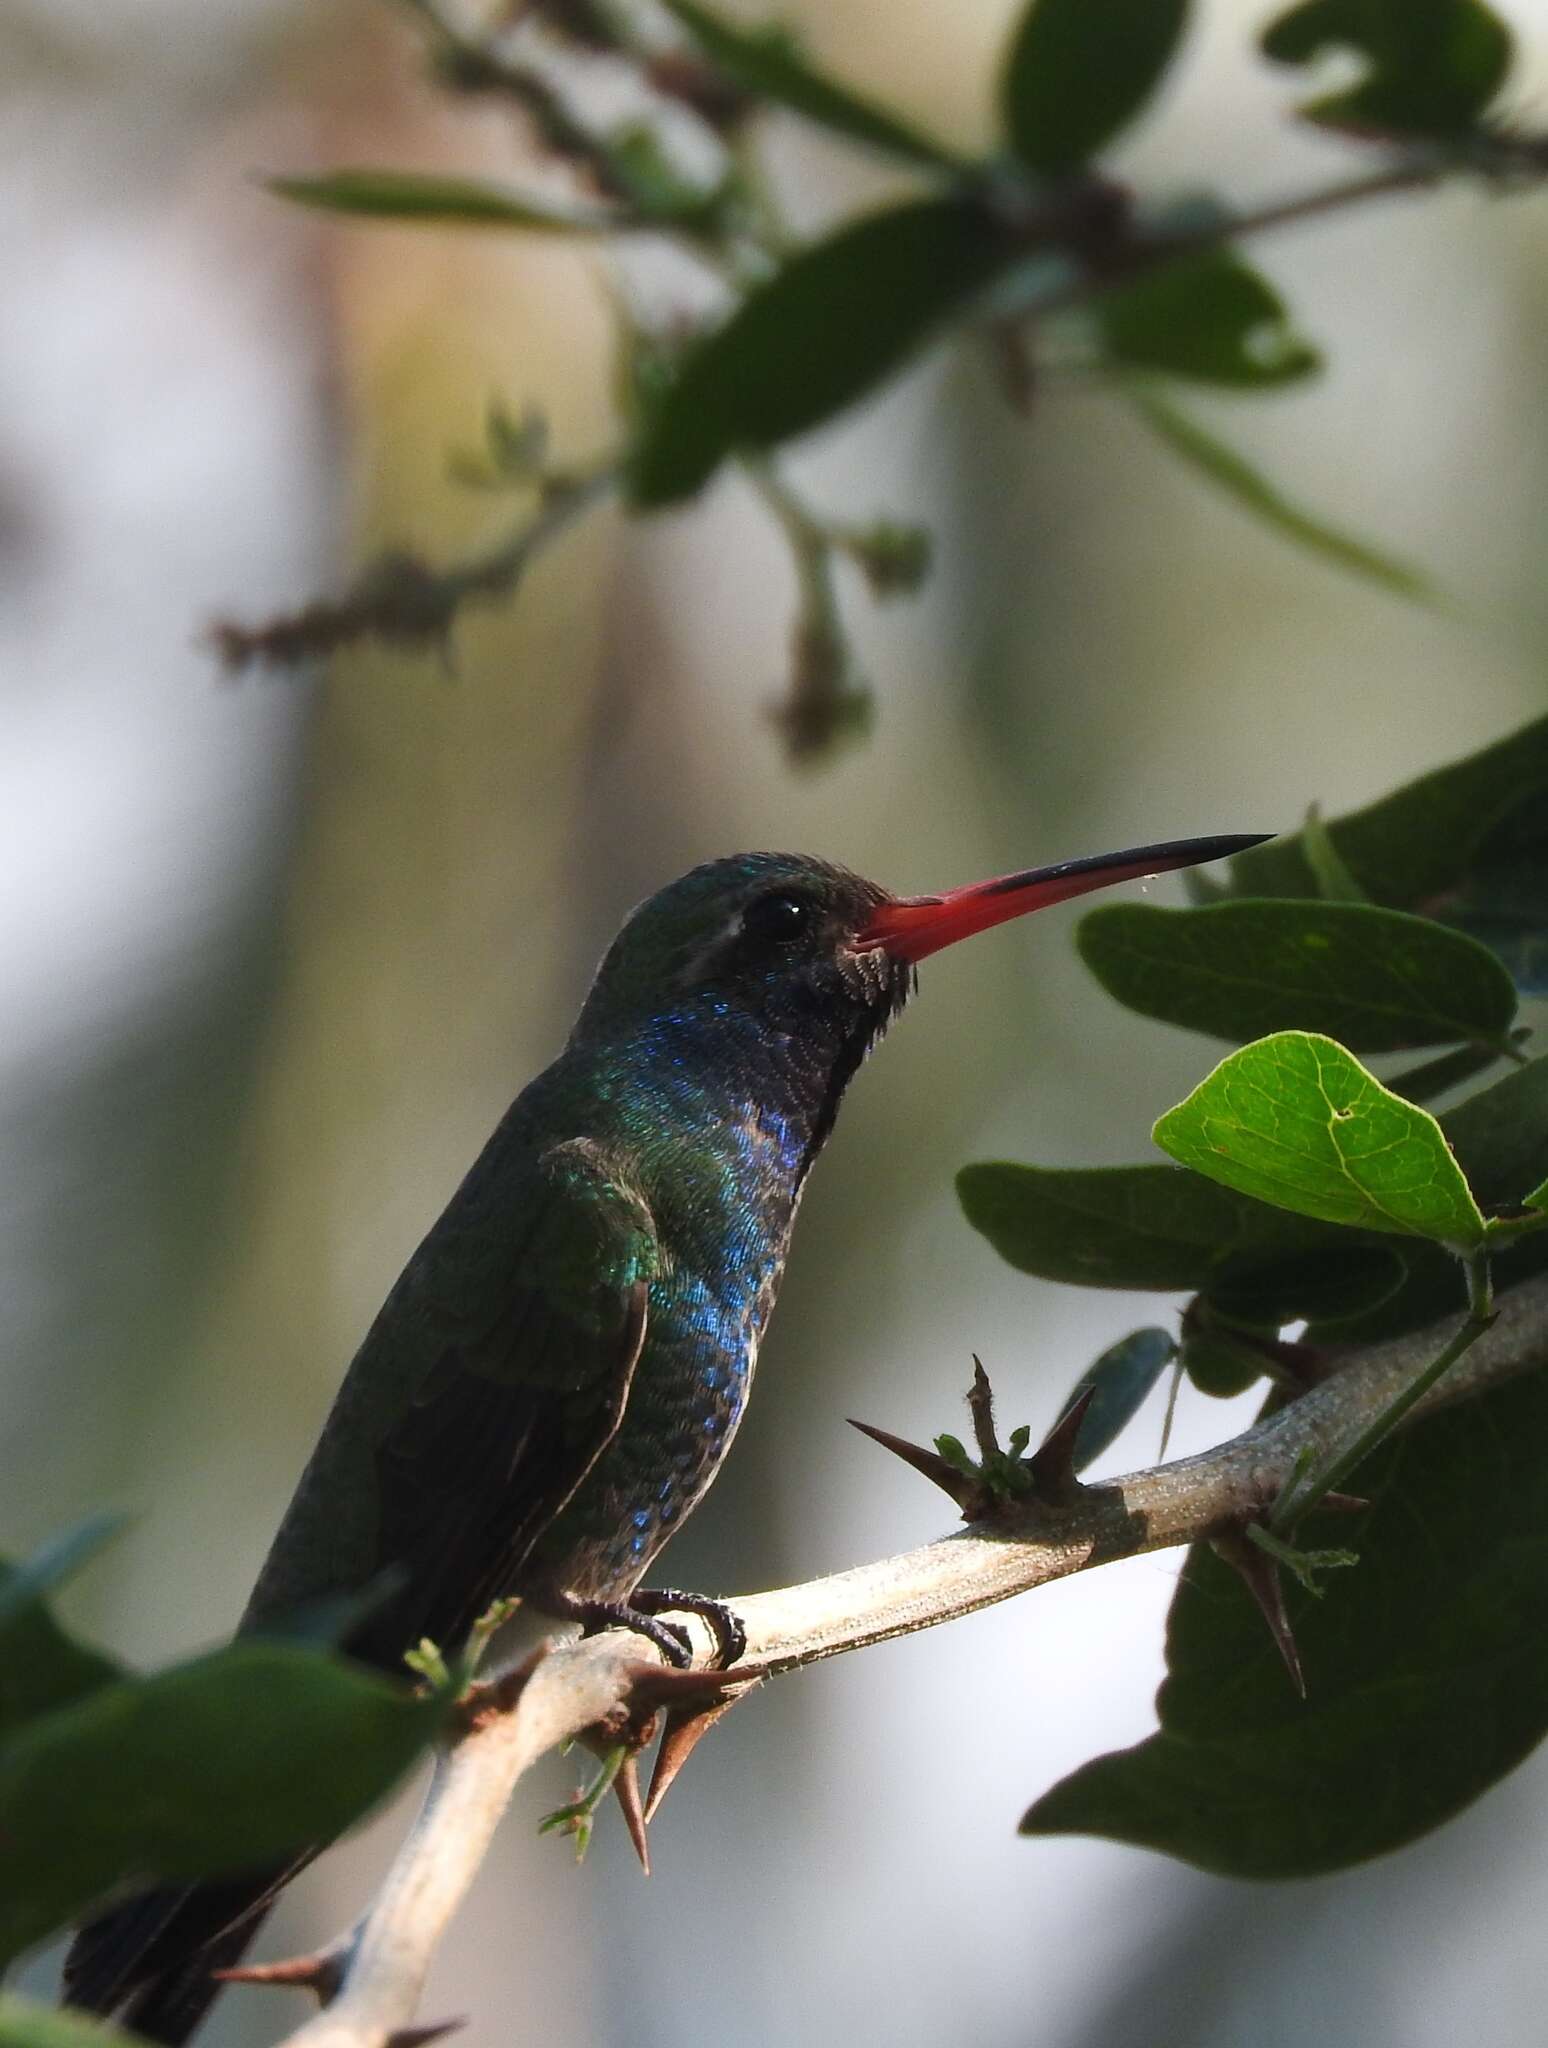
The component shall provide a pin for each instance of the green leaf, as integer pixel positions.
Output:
(828, 327)
(1296, 1120)
(1411, 847)
(432, 200)
(229, 1762)
(41, 1667)
(1432, 65)
(1230, 471)
(768, 63)
(25, 2024)
(1335, 884)
(1335, 1280)
(1149, 1227)
(1502, 901)
(1427, 1670)
(1500, 1135)
(1377, 980)
(1079, 71)
(1500, 1139)
(1209, 317)
(1122, 1379)
(53, 1562)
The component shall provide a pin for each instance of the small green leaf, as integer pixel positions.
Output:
(41, 1667)
(1296, 1120)
(1500, 1139)
(828, 327)
(1335, 1280)
(767, 63)
(25, 2024)
(1377, 980)
(1078, 72)
(1209, 317)
(1150, 1227)
(226, 1763)
(432, 200)
(1538, 1198)
(53, 1562)
(1335, 884)
(1252, 490)
(1421, 841)
(1433, 65)
(1427, 1670)
(1122, 1378)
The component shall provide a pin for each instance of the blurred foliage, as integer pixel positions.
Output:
(1032, 240)
(222, 1763)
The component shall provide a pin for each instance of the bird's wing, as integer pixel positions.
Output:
(506, 1352)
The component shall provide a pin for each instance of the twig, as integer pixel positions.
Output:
(403, 600)
(1303, 1494)
(583, 1683)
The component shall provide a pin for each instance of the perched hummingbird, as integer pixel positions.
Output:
(552, 1384)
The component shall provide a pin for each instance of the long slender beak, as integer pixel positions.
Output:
(910, 927)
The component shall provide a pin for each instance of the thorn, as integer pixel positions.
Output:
(322, 1973)
(1342, 1504)
(627, 1787)
(1171, 1407)
(653, 1685)
(980, 1402)
(686, 1727)
(1260, 1575)
(1054, 1480)
(416, 2037)
(929, 1464)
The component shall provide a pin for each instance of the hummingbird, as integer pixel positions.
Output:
(555, 1379)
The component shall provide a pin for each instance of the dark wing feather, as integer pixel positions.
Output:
(521, 1320)
(494, 1377)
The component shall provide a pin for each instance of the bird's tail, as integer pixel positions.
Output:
(148, 1962)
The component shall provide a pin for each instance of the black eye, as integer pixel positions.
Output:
(774, 920)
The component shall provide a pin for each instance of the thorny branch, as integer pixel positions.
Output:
(374, 1976)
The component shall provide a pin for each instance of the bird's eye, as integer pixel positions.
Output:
(775, 919)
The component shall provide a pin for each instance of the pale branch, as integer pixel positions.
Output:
(612, 1677)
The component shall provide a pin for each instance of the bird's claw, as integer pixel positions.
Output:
(730, 1635)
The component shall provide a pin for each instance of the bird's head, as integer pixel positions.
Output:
(796, 945)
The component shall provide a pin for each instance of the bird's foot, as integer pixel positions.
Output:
(730, 1635)
(671, 1641)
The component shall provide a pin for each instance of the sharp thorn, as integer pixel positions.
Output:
(322, 1973)
(929, 1464)
(653, 1685)
(686, 1727)
(627, 1788)
(1342, 1504)
(1054, 1478)
(1260, 1575)
(416, 2037)
(981, 1407)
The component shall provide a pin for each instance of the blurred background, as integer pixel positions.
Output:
(277, 953)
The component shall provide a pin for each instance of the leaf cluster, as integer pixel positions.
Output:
(1035, 240)
(1310, 1205)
